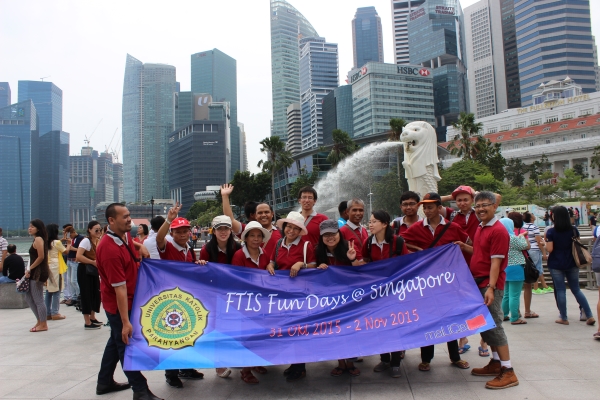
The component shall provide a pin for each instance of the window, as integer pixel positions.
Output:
(583, 135)
(589, 111)
(552, 119)
(562, 126)
(546, 129)
(492, 130)
(514, 134)
(568, 115)
(515, 146)
(530, 132)
(531, 144)
(581, 122)
(520, 125)
(500, 137)
(535, 122)
(548, 141)
(505, 128)
(564, 138)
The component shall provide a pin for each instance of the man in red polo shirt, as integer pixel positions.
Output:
(435, 231)
(353, 231)
(117, 263)
(307, 197)
(177, 250)
(488, 264)
(409, 204)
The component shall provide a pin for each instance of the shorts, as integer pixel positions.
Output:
(496, 336)
(536, 257)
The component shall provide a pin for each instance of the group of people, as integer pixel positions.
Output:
(492, 248)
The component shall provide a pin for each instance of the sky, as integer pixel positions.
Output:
(81, 47)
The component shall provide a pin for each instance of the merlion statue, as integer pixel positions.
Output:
(420, 157)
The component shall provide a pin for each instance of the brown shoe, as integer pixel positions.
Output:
(591, 321)
(58, 316)
(492, 369)
(562, 321)
(505, 379)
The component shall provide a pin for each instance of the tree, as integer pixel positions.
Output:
(487, 182)
(595, 160)
(343, 146)
(277, 158)
(249, 186)
(537, 168)
(510, 194)
(579, 171)
(587, 189)
(570, 182)
(198, 208)
(461, 173)
(462, 144)
(490, 154)
(304, 179)
(396, 127)
(386, 194)
(515, 172)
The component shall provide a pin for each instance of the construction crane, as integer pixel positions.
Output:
(115, 153)
(87, 139)
(111, 140)
(42, 79)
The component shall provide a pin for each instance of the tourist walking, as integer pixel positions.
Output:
(381, 245)
(73, 265)
(88, 277)
(537, 252)
(515, 274)
(562, 265)
(517, 219)
(54, 285)
(333, 249)
(38, 273)
(117, 263)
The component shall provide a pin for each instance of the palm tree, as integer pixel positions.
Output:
(277, 157)
(397, 125)
(462, 145)
(343, 146)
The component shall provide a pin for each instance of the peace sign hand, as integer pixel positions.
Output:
(351, 254)
(174, 211)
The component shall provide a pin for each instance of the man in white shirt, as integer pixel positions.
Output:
(150, 242)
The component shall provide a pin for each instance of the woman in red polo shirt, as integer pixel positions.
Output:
(333, 249)
(292, 252)
(375, 248)
(252, 256)
(220, 249)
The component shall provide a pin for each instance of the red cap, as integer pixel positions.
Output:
(463, 189)
(180, 222)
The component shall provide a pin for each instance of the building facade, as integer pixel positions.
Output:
(487, 75)
(400, 11)
(436, 40)
(147, 115)
(318, 76)
(215, 73)
(554, 40)
(384, 91)
(337, 113)
(19, 163)
(511, 55)
(54, 178)
(47, 98)
(367, 37)
(288, 25)
(294, 129)
(243, 148)
(5, 94)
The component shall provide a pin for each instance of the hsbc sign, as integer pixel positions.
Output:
(363, 71)
(413, 71)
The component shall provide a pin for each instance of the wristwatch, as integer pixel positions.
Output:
(490, 287)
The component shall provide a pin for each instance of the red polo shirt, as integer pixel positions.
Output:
(467, 223)
(288, 257)
(357, 235)
(383, 252)
(420, 235)
(270, 245)
(242, 258)
(313, 227)
(174, 252)
(116, 267)
(204, 255)
(491, 241)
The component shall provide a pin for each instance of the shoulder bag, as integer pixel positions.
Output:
(581, 255)
(531, 272)
(23, 285)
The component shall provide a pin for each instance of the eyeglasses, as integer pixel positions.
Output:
(98, 230)
(307, 198)
(478, 206)
(409, 204)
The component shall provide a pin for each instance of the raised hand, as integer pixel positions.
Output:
(226, 189)
(351, 254)
(173, 212)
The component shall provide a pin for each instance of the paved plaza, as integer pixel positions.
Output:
(552, 362)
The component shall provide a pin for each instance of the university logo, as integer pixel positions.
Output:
(173, 319)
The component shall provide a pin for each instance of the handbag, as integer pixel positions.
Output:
(90, 270)
(531, 272)
(581, 255)
(62, 265)
(23, 285)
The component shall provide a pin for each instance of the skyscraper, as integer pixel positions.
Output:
(367, 39)
(215, 73)
(54, 177)
(19, 140)
(318, 76)
(294, 129)
(243, 149)
(47, 98)
(436, 41)
(5, 94)
(147, 121)
(554, 40)
(400, 11)
(82, 192)
(487, 75)
(287, 26)
(511, 56)
(337, 113)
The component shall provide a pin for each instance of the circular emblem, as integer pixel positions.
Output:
(424, 72)
(173, 319)
(363, 71)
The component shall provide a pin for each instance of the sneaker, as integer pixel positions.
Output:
(395, 372)
(538, 291)
(548, 290)
(190, 374)
(174, 382)
(382, 366)
(505, 379)
(492, 369)
(92, 326)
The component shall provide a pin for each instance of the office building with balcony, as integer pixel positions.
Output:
(400, 12)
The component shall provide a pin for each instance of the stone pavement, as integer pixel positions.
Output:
(552, 362)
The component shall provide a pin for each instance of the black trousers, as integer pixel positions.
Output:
(427, 352)
(115, 352)
(392, 358)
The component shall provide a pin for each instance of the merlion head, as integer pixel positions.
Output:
(419, 138)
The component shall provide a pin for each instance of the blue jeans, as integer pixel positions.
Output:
(6, 279)
(560, 290)
(72, 279)
(536, 257)
(52, 303)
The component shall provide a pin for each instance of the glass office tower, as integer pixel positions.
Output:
(400, 11)
(287, 26)
(54, 177)
(5, 94)
(337, 113)
(367, 39)
(47, 98)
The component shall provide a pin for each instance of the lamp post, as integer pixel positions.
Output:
(152, 203)
(370, 198)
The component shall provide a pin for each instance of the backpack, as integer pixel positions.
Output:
(399, 246)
